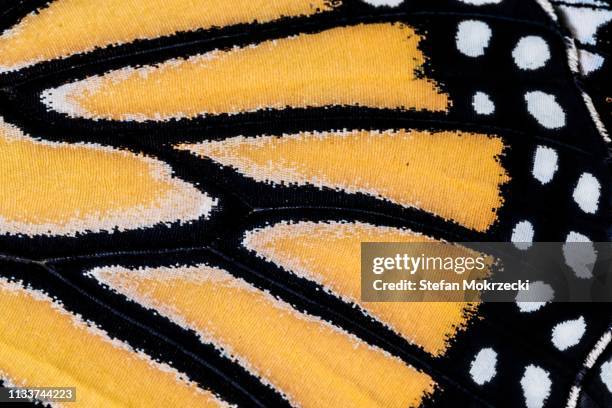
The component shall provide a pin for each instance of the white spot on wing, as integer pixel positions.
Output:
(522, 235)
(587, 192)
(545, 109)
(579, 254)
(536, 385)
(590, 62)
(545, 164)
(482, 368)
(606, 374)
(536, 297)
(585, 22)
(531, 52)
(473, 37)
(567, 334)
(482, 104)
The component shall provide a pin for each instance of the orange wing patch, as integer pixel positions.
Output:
(328, 253)
(43, 345)
(373, 65)
(310, 361)
(49, 188)
(67, 27)
(455, 175)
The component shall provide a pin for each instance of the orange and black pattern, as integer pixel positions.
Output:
(184, 187)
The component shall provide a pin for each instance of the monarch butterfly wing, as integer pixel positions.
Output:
(194, 183)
